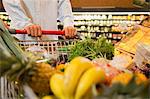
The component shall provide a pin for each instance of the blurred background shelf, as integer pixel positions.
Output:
(95, 18)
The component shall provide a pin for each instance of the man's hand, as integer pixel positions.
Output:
(70, 31)
(34, 30)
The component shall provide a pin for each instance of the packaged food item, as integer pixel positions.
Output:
(142, 58)
(121, 61)
(133, 37)
(38, 51)
(142, 54)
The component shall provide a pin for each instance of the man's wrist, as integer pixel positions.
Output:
(68, 22)
(28, 24)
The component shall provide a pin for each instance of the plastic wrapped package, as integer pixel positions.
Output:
(130, 41)
(142, 58)
(142, 54)
(121, 61)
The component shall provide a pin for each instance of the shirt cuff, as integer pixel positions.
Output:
(28, 24)
(68, 22)
(20, 24)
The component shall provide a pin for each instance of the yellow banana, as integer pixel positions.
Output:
(73, 73)
(57, 84)
(47, 97)
(90, 77)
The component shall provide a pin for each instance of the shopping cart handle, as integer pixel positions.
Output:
(45, 32)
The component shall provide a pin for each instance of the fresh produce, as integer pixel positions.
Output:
(6, 61)
(57, 85)
(90, 77)
(61, 67)
(73, 73)
(39, 75)
(121, 90)
(124, 78)
(140, 78)
(92, 49)
(77, 80)
(48, 97)
(22, 67)
(110, 71)
(36, 75)
(10, 44)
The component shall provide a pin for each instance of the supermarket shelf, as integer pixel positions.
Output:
(98, 32)
(93, 19)
(114, 38)
(82, 30)
(94, 25)
(87, 31)
(111, 10)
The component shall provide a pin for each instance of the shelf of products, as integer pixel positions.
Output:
(113, 25)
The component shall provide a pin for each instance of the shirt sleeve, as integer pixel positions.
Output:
(16, 13)
(65, 13)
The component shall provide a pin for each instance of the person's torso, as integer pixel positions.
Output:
(43, 13)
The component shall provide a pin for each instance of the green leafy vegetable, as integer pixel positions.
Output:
(92, 49)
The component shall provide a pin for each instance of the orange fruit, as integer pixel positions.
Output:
(61, 67)
(140, 78)
(124, 78)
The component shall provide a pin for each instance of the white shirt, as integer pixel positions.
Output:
(42, 12)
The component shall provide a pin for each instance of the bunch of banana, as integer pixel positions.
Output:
(57, 85)
(78, 78)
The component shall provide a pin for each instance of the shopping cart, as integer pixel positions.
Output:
(54, 48)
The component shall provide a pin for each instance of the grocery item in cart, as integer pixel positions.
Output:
(39, 51)
(110, 70)
(53, 52)
(92, 49)
(21, 68)
(78, 78)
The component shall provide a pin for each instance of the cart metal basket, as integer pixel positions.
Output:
(7, 89)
